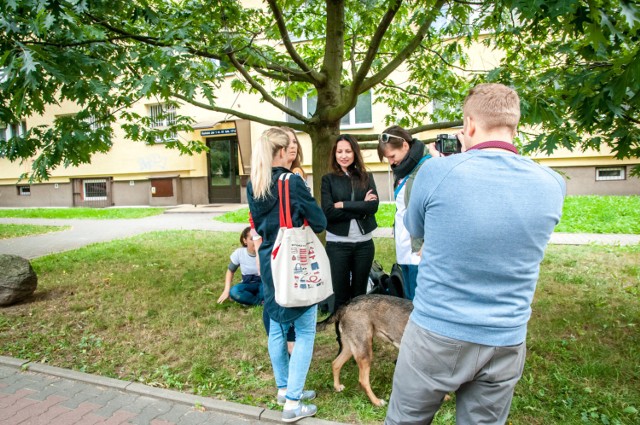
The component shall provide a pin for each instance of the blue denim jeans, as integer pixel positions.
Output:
(409, 280)
(247, 293)
(291, 373)
(291, 335)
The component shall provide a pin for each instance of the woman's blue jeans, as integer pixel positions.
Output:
(247, 293)
(291, 372)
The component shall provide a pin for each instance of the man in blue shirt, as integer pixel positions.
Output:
(486, 216)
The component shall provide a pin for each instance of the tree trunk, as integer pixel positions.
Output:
(322, 139)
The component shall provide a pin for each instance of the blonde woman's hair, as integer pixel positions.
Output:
(297, 162)
(493, 106)
(271, 141)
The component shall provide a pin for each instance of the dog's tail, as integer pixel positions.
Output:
(333, 318)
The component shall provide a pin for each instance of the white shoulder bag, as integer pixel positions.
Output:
(299, 263)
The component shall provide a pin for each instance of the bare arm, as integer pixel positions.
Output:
(227, 286)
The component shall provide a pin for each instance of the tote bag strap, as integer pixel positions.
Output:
(285, 202)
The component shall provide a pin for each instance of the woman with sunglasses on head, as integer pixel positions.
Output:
(350, 202)
(269, 161)
(405, 155)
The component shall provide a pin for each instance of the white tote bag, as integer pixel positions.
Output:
(299, 264)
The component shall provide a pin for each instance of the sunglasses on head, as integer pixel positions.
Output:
(386, 137)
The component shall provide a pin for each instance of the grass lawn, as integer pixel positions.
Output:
(17, 230)
(581, 214)
(146, 311)
(93, 213)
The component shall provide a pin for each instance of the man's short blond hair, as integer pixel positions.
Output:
(493, 106)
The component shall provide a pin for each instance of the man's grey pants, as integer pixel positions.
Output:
(430, 366)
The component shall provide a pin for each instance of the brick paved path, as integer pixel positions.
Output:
(65, 397)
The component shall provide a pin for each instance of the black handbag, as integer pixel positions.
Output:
(382, 283)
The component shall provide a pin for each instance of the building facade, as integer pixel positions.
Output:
(134, 173)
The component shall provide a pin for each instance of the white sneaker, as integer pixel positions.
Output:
(302, 411)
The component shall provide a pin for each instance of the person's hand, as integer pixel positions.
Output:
(223, 297)
(433, 151)
(370, 196)
(460, 136)
(338, 205)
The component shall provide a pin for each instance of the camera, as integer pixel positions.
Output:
(448, 144)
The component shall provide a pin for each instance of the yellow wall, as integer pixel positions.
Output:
(128, 160)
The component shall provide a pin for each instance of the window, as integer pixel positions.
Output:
(224, 66)
(95, 123)
(24, 190)
(610, 173)
(163, 115)
(94, 189)
(303, 105)
(358, 117)
(18, 128)
(12, 130)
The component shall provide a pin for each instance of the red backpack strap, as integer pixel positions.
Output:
(285, 202)
(289, 221)
(281, 200)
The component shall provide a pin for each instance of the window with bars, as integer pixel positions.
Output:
(12, 130)
(95, 123)
(94, 189)
(610, 173)
(162, 115)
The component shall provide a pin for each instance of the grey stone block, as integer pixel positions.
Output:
(13, 362)
(78, 376)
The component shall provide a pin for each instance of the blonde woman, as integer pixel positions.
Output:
(295, 153)
(269, 161)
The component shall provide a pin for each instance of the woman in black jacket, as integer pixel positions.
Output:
(349, 201)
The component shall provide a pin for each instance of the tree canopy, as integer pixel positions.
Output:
(574, 63)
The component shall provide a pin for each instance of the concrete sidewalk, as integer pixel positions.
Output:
(33, 393)
(190, 217)
(84, 232)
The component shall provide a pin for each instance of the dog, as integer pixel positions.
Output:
(356, 323)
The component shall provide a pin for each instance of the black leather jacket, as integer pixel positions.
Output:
(337, 188)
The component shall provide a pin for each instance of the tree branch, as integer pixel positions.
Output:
(393, 86)
(450, 65)
(334, 44)
(374, 45)
(239, 114)
(630, 118)
(145, 39)
(419, 129)
(265, 94)
(400, 57)
(435, 126)
(279, 76)
(296, 74)
(284, 34)
(75, 44)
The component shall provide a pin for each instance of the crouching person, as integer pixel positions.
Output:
(249, 290)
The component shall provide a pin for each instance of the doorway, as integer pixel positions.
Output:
(223, 176)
